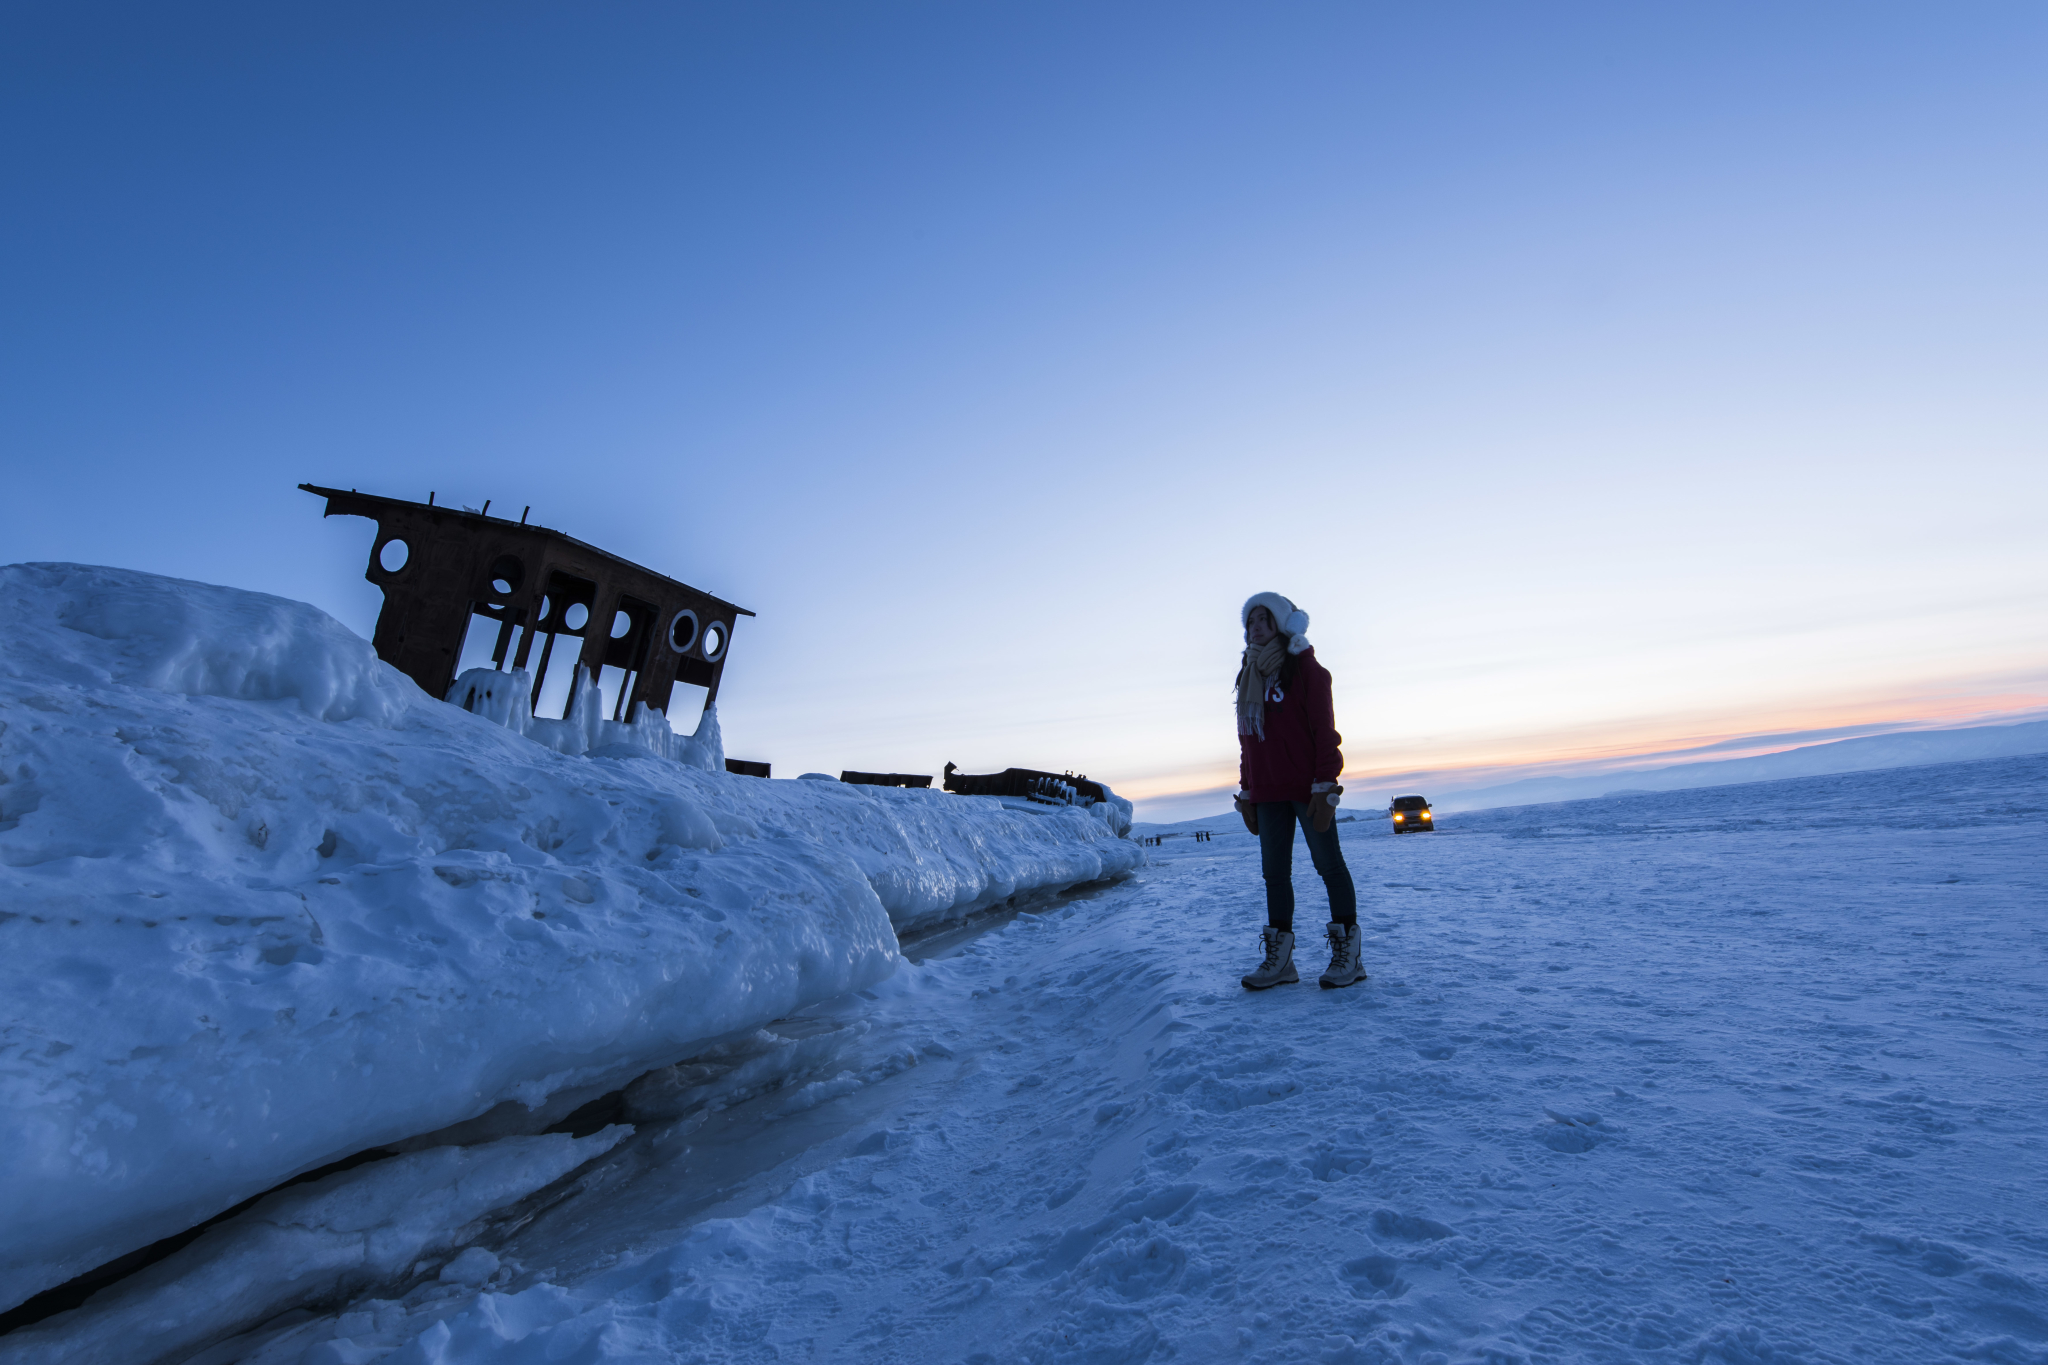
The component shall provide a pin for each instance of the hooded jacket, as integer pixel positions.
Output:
(1301, 743)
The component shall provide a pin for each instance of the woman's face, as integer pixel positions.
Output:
(1259, 628)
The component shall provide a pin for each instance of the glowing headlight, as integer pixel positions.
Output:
(1397, 816)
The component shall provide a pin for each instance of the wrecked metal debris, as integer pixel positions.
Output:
(886, 779)
(1057, 788)
(441, 568)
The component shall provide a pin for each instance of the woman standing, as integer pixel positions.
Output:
(1288, 763)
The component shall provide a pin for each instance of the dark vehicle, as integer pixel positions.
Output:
(1411, 812)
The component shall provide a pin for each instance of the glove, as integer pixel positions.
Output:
(1248, 811)
(1324, 798)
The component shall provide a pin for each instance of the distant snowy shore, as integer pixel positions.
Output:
(1868, 753)
(264, 905)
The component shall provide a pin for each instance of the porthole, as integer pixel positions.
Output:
(682, 632)
(575, 616)
(547, 604)
(622, 625)
(714, 639)
(391, 558)
(507, 573)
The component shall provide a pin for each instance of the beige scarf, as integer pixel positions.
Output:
(1261, 665)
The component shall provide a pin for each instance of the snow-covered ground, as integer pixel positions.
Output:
(1742, 1074)
(1866, 753)
(1451, 789)
(264, 905)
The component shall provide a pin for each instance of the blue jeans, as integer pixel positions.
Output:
(1276, 859)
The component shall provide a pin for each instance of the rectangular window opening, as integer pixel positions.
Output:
(612, 684)
(686, 707)
(623, 708)
(511, 651)
(557, 683)
(478, 644)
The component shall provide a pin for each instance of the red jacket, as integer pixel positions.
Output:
(1300, 747)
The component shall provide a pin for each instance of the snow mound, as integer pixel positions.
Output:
(267, 905)
(196, 640)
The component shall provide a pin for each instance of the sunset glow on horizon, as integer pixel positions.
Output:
(1606, 383)
(1561, 756)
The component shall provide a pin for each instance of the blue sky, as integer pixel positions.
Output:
(1603, 379)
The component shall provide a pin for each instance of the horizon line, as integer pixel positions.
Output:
(1595, 761)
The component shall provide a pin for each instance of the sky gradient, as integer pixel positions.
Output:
(1603, 379)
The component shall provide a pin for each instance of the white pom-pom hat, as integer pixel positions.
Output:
(1292, 620)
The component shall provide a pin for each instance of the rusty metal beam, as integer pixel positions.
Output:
(1018, 782)
(886, 779)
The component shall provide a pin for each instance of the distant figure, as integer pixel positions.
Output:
(1288, 763)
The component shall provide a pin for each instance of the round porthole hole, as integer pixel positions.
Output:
(507, 573)
(576, 616)
(391, 558)
(682, 632)
(714, 639)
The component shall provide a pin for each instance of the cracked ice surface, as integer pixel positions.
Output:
(1750, 1074)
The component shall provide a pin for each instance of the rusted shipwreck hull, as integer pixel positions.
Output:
(440, 567)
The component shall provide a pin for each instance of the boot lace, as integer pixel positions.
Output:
(1272, 962)
(1338, 939)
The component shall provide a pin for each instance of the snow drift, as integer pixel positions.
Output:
(263, 904)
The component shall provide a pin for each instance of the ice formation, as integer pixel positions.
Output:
(315, 1242)
(267, 905)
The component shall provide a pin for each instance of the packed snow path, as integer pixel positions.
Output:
(1746, 1074)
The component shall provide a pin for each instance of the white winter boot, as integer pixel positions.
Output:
(1278, 968)
(1344, 969)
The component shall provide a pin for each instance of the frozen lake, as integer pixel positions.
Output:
(1739, 1074)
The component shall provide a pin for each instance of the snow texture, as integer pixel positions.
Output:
(312, 1243)
(1733, 1075)
(264, 904)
